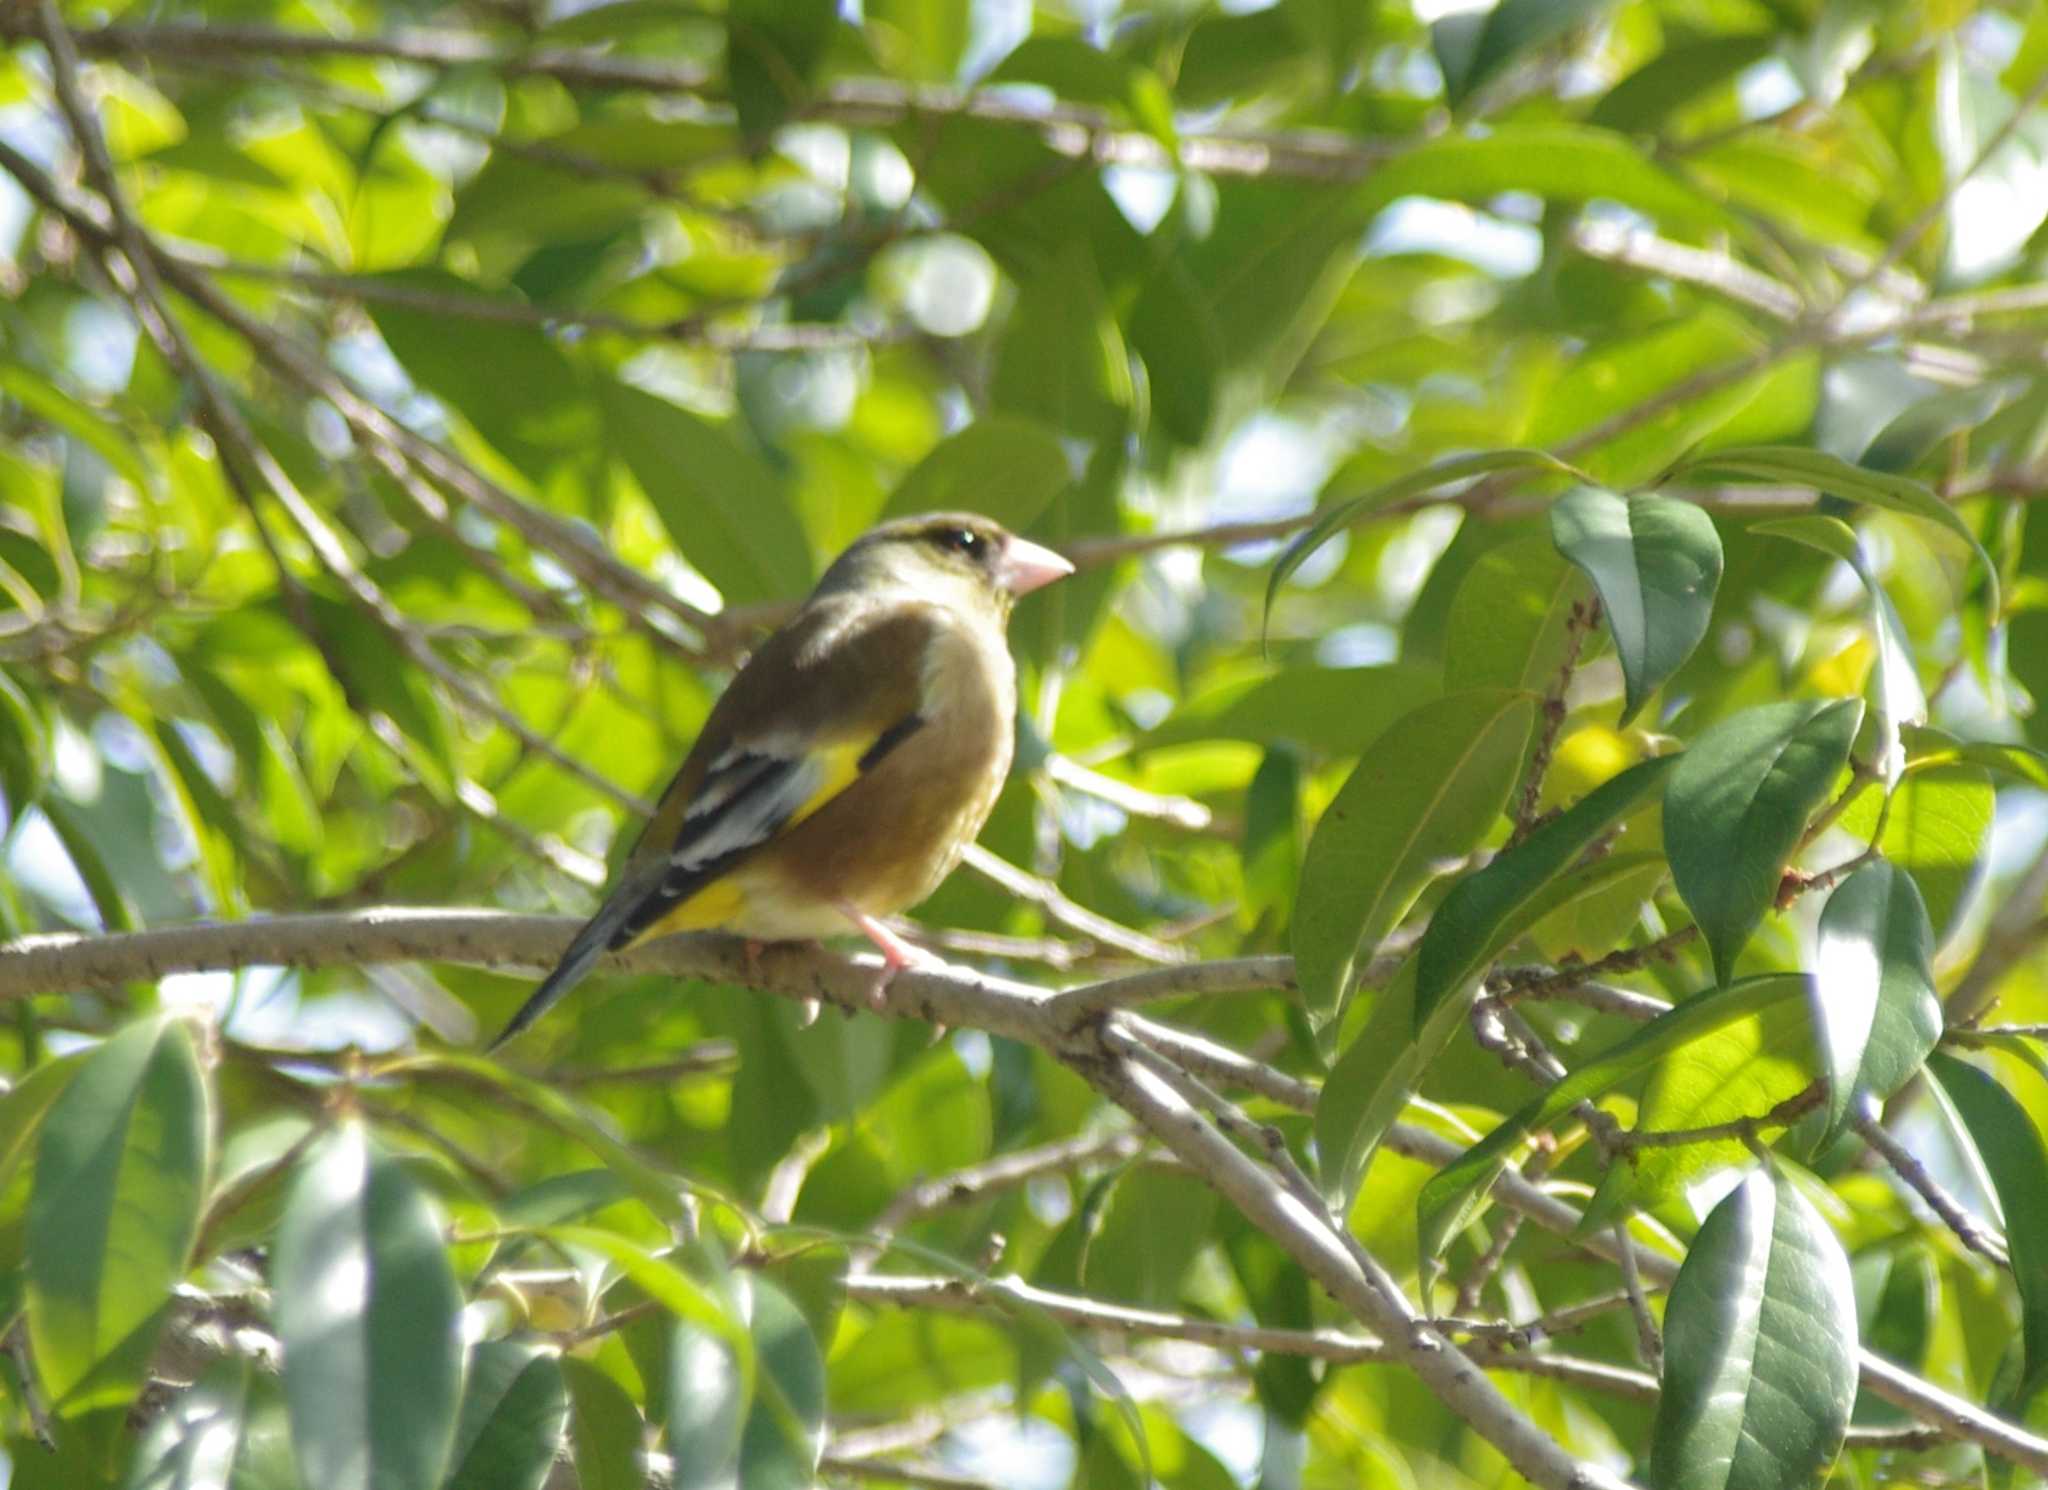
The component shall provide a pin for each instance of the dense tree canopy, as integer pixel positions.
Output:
(1514, 945)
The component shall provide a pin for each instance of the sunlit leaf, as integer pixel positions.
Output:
(369, 1317)
(1759, 1348)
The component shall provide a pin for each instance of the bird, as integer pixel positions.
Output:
(847, 766)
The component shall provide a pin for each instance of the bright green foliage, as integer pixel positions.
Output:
(1547, 707)
(1761, 1335)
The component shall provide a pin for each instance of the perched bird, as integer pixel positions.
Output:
(849, 764)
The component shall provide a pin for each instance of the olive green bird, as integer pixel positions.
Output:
(849, 764)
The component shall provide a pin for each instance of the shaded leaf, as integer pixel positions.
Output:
(1491, 906)
(1005, 467)
(1510, 623)
(1738, 804)
(515, 1410)
(724, 509)
(1896, 695)
(2003, 1132)
(1656, 562)
(1818, 470)
(1425, 793)
(120, 1181)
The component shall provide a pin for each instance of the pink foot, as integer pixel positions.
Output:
(897, 954)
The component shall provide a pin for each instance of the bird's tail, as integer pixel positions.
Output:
(591, 943)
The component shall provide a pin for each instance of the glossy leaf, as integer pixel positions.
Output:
(1426, 792)
(784, 1432)
(515, 1411)
(605, 1429)
(120, 1180)
(1491, 906)
(369, 1317)
(1738, 804)
(195, 1444)
(1759, 1348)
(1876, 1014)
(1656, 562)
(1451, 1198)
(707, 1406)
(2016, 1159)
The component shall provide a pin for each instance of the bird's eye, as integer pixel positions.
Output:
(963, 540)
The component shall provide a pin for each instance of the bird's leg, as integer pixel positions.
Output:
(897, 954)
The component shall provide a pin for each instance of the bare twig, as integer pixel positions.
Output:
(1061, 911)
(1915, 1174)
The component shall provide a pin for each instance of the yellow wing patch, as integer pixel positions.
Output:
(720, 900)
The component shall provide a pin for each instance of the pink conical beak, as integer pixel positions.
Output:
(1025, 566)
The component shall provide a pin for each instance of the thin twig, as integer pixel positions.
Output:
(1916, 1176)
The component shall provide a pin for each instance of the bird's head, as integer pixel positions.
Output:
(955, 557)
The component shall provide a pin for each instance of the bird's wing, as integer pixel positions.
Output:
(823, 702)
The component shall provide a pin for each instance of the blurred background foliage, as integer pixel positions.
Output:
(578, 337)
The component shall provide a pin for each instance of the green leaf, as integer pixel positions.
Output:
(1759, 1348)
(92, 429)
(1936, 826)
(773, 48)
(1154, 1223)
(2014, 1156)
(370, 1320)
(785, 1430)
(1738, 804)
(1656, 562)
(194, 1444)
(659, 1192)
(1454, 1195)
(1819, 471)
(1510, 623)
(515, 1410)
(24, 747)
(1876, 1014)
(1336, 711)
(1005, 467)
(1742, 1070)
(1929, 748)
(1490, 907)
(1896, 695)
(1472, 48)
(723, 508)
(605, 1429)
(1565, 162)
(1062, 360)
(120, 1181)
(1425, 793)
(1337, 515)
(708, 1390)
